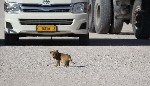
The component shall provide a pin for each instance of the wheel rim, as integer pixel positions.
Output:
(137, 17)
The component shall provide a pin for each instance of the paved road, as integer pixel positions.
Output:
(109, 60)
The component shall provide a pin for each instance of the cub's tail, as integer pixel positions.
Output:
(71, 60)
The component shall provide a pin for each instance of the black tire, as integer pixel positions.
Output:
(117, 24)
(102, 16)
(11, 39)
(84, 39)
(91, 16)
(139, 20)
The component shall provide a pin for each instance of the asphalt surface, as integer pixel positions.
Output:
(109, 60)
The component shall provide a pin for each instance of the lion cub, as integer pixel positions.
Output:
(60, 57)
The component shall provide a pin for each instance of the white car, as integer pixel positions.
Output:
(46, 18)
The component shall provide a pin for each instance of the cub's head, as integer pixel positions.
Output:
(54, 53)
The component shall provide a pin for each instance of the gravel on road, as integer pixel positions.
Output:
(95, 66)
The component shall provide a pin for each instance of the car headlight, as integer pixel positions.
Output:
(12, 7)
(79, 8)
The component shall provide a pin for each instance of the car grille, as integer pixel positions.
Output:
(46, 21)
(43, 8)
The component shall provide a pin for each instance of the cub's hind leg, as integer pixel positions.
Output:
(66, 64)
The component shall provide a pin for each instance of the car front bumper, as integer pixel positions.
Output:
(79, 23)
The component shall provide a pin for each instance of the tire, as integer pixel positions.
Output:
(117, 24)
(84, 39)
(139, 21)
(102, 16)
(91, 16)
(11, 39)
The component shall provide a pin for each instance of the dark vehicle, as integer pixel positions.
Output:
(109, 15)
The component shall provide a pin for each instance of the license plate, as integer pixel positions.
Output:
(46, 28)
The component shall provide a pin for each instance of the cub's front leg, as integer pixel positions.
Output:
(57, 63)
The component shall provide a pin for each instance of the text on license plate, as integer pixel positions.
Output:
(46, 28)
